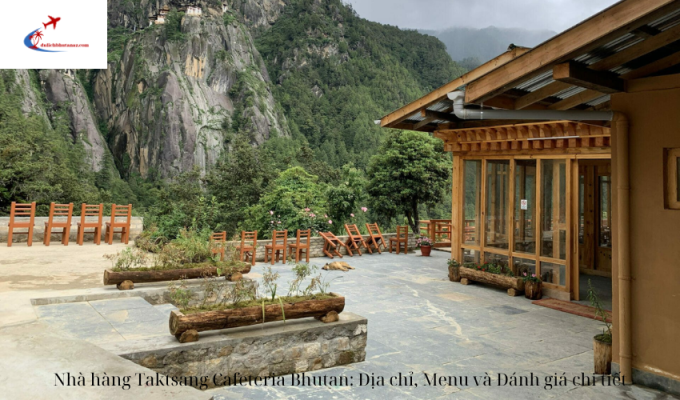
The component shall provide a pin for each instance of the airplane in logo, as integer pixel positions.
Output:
(53, 22)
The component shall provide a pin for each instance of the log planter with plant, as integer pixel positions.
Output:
(602, 343)
(319, 307)
(533, 286)
(189, 256)
(242, 306)
(194, 271)
(496, 275)
(454, 270)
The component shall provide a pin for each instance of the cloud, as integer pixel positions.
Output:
(555, 15)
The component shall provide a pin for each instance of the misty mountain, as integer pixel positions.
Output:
(467, 44)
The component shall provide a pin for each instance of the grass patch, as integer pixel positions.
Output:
(256, 303)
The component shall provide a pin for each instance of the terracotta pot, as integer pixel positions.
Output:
(533, 290)
(454, 273)
(602, 356)
(425, 250)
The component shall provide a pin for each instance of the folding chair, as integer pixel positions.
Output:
(124, 212)
(248, 246)
(299, 246)
(90, 210)
(331, 244)
(21, 210)
(376, 238)
(58, 210)
(356, 241)
(401, 239)
(217, 243)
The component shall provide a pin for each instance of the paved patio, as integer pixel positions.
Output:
(419, 323)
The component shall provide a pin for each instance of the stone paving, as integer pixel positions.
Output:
(418, 322)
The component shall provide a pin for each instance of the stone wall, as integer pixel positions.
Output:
(316, 248)
(273, 349)
(136, 227)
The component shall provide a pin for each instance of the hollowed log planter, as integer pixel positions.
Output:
(115, 278)
(236, 317)
(533, 290)
(514, 285)
(602, 356)
(454, 273)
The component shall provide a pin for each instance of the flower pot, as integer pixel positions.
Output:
(602, 352)
(425, 250)
(454, 273)
(533, 290)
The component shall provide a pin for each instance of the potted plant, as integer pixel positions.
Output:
(425, 245)
(454, 270)
(602, 343)
(532, 286)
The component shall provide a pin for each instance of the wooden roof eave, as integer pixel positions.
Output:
(393, 119)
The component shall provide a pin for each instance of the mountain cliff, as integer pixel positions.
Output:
(304, 79)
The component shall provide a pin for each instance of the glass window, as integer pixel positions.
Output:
(497, 201)
(498, 259)
(554, 209)
(605, 211)
(525, 206)
(523, 265)
(470, 256)
(554, 273)
(472, 200)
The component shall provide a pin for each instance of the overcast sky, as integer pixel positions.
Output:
(555, 15)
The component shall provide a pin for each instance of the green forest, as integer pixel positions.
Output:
(331, 170)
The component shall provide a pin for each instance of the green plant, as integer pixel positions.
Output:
(128, 259)
(601, 313)
(180, 294)
(453, 263)
(497, 269)
(424, 241)
(269, 282)
(530, 278)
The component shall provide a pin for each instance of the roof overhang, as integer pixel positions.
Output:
(577, 69)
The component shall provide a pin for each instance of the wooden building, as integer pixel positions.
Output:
(566, 162)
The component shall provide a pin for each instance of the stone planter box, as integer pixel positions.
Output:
(237, 317)
(116, 278)
(514, 285)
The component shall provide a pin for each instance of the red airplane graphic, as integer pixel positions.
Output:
(53, 22)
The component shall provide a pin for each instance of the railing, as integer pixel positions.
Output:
(439, 230)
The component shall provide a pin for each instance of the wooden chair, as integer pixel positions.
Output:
(58, 210)
(119, 212)
(21, 210)
(299, 246)
(276, 247)
(376, 239)
(331, 244)
(402, 238)
(90, 210)
(248, 246)
(217, 242)
(355, 240)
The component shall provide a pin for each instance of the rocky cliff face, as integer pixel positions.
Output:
(179, 90)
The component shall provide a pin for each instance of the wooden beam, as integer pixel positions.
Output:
(656, 66)
(433, 97)
(575, 100)
(601, 28)
(579, 75)
(646, 32)
(638, 50)
(540, 94)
